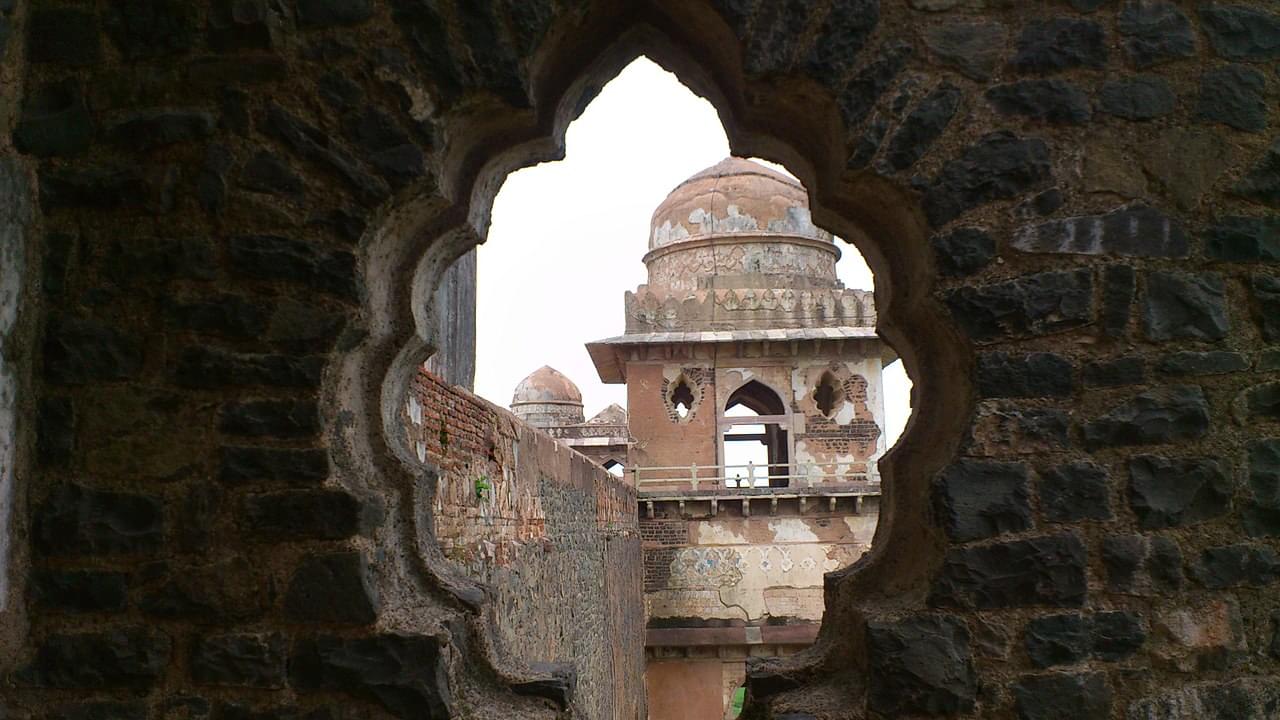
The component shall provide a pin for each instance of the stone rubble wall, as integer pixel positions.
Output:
(238, 208)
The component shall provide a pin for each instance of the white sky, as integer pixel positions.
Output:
(566, 238)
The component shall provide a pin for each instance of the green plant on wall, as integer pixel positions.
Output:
(483, 487)
(735, 704)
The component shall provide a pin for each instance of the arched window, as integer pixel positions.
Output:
(755, 443)
(681, 397)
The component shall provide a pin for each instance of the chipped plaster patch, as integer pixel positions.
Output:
(787, 530)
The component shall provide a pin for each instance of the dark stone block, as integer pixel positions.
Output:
(58, 250)
(1060, 696)
(1164, 563)
(55, 430)
(920, 665)
(1243, 239)
(1162, 415)
(963, 251)
(1030, 305)
(98, 711)
(335, 588)
(1116, 635)
(323, 13)
(1122, 556)
(266, 173)
(304, 515)
(303, 327)
(1134, 231)
(1239, 32)
(55, 121)
(270, 418)
(268, 257)
(1260, 521)
(79, 351)
(1183, 305)
(1171, 492)
(1056, 640)
(131, 657)
(1052, 101)
(406, 674)
(94, 187)
(974, 49)
(196, 516)
(156, 128)
(922, 127)
(1048, 202)
(200, 367)
(235, 25)
(314, 144)
(1155, 32)
(1048, 570)
(1144, 97)
(79, 590)
(1216, 362)
(1115, 373)
(1266, 298)
(223, 592)
(1264, 472)
(63, 35)
(1059, 44)
(843, 35)
(228, 315)
(239, 660)
(1075, 491)
(997, 167)
(388, 148)
(1234, 96)
(977, 499)
(144, 29)
(1269, 360)
(1274, 649)
(258, 464)
(1002, 375)
(144, 262)
(1236, 565)
(1262, 183)
(859, 96)
(1119, 283)
(868, 143)
(74, 520)
(1261, 402)
(1001, 428)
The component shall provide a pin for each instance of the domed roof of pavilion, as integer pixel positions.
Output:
(734, 196)
(547, 385)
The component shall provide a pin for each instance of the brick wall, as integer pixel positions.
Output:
(554, 537)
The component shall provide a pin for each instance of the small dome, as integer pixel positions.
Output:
(734, 196)
(547, 399)
(547, 385)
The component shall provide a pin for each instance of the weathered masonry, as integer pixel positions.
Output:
(222, 230)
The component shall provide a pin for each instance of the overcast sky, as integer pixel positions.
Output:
(567, 238)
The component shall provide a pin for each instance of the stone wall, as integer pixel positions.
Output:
(552, 535)
(241, 209)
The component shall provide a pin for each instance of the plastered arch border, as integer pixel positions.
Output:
(795, 123)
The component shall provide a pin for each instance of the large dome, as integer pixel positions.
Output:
(547, 398)
(734, 196)
(738, 224)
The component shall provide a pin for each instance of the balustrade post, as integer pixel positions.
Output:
(751, 474)
(694, 476)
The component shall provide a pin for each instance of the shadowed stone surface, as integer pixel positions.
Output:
(999, 166)
(1154, 32)
(1243, 238)
(1144, 97)
(132, 657)
(1239, 32)
(1062, 697)
(404, 674)
(1060, 44)
(1053, 101)
(1031, 305)
(921, 665)
(1032, 375)
(239, 660)
(75, 520)
(1234, 96)
(963, 251)
(983, 499)
(975, 49)
(1047, 570)
(1074, 492)
(1157, 416)
(1180, 305)
(335, 588)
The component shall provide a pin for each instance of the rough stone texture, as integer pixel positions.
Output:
(1164, 415)
(1047, 570)
(1053, 101)
(1154, 32)
(981, 499)
(232, 198)
(1032, 375)
(923, 126)
(1166, 492)
(1075, 491)
(333, 588)
(1184, 306)
(1136, 231)
(240, 660)
(1234, 96)
(1143, 97)
(921, 665)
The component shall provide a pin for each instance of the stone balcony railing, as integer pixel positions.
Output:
(718, 484)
